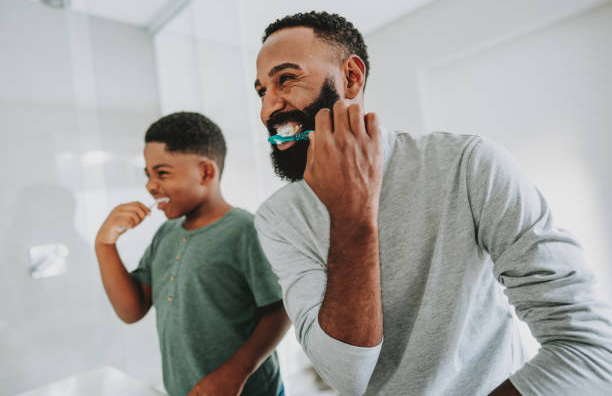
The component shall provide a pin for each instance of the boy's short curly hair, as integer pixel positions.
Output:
(331, 28)
(189, 133)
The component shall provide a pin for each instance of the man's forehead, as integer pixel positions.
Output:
(291, 36)
(295, 45)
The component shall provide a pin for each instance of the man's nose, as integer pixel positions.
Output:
(272, 102)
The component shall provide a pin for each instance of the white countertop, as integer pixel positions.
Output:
(105, 381)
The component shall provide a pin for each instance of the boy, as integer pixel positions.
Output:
(218, 305)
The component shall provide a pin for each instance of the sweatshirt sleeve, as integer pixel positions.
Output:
(543, 271)
(303, 278)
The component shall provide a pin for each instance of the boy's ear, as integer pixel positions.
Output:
(208, 170)
(354, 76)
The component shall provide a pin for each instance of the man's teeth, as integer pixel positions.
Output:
(288, 129)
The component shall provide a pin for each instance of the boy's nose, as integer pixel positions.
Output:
(152, 187)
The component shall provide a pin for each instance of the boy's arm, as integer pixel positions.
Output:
(230, 377)
(130, 299)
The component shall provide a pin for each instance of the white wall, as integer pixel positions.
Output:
(77, 95)
(202, 66)
(533, 76)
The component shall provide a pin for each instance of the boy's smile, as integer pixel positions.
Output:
(177, 176)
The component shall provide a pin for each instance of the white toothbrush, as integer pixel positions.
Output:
(157, 201)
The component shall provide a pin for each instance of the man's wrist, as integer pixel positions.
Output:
(361, 226)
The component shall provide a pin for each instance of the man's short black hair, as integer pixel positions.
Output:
(189, 133)
(331, 28)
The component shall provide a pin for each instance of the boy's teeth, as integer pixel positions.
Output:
(162, 200)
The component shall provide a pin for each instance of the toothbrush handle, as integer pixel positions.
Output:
(277, 139)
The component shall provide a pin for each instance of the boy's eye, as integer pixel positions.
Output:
(162, 173)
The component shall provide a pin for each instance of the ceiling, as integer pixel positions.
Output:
(134, 12)
(223, 19)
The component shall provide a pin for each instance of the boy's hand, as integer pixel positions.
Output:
(122, 218)
(344, 166)
(227, 380)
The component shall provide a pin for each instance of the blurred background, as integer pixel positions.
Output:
(81, 80)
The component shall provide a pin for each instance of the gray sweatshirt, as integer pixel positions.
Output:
(464, 239)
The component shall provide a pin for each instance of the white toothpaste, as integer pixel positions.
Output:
(288, 129)
(158, 201)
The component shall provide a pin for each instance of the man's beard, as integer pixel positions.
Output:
(290, 164)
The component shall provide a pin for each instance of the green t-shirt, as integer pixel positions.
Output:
(207, 284)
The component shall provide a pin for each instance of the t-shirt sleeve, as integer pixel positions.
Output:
(303, 278)
(543, 271)
(258, 273)
(142, 273)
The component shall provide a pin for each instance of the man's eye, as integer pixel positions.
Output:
(261, 92)
(284, 78)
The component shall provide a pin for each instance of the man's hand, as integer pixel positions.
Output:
(344, 169)
(344, 166)
(227, 380)
(122, 218)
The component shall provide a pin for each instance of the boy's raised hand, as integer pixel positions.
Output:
(120, 219)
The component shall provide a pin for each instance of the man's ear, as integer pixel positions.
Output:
(208, 170)
(354, 76)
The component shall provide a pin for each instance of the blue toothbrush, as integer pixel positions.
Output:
(278, 139)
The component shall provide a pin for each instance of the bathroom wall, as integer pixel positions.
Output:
(77, 95)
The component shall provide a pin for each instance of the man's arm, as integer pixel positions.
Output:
(543, 271)
(332, 293)
(344, 170)
(230, 377)
(130, 299)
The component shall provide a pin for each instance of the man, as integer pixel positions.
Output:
(394, 250)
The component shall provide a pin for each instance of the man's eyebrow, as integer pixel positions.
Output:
(278, 68)
(282, 66)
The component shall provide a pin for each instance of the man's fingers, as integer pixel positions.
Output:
(323, 126)
(372, 126)
(311, 150)
(322, 133)
(341, 121)
(356, 120)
